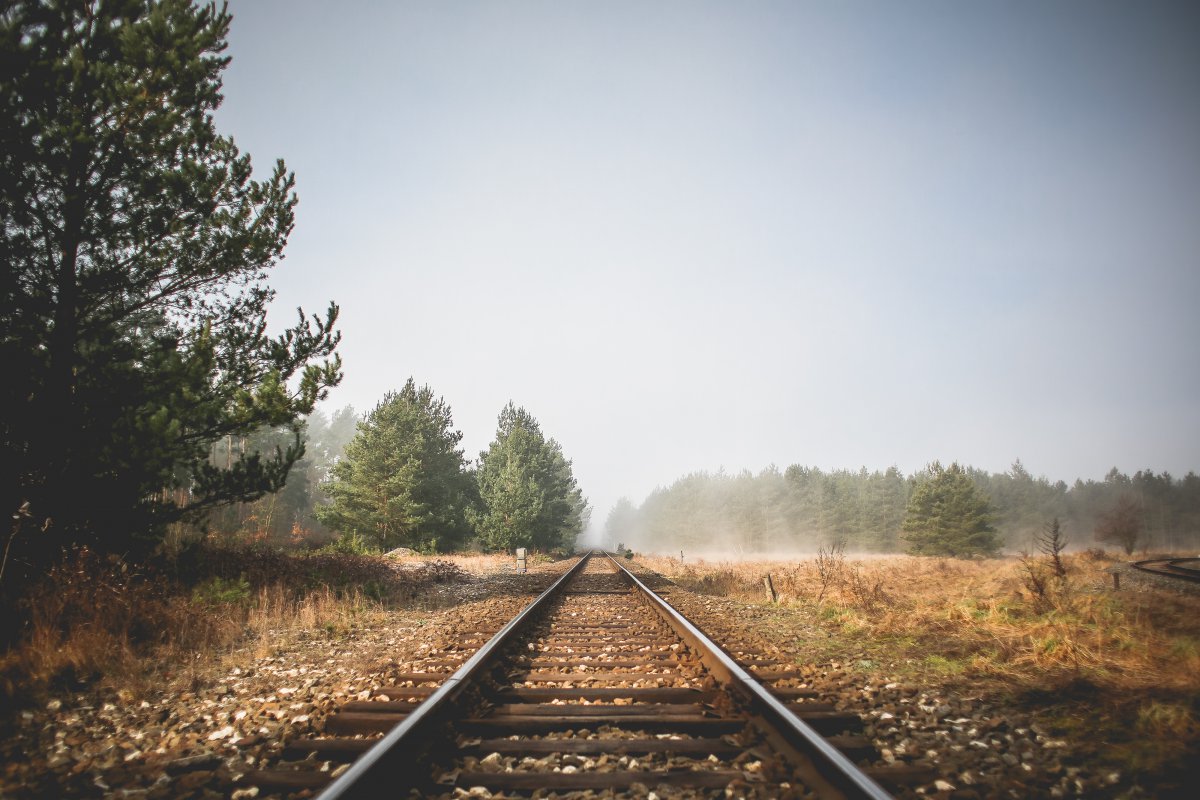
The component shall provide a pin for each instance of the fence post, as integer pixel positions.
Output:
(774, 598)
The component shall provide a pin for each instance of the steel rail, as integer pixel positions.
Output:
(1171, 568)
(829, 761)
(396, 754)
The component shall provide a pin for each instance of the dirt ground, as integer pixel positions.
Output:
(941, 683)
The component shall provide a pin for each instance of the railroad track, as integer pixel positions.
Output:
(599, 686)
(1187, 569)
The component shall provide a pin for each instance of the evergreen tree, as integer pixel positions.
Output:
(949, 516)
(402, 480)
(528, 493)
(326, 440)
(133, 297)
(804, 508)
(272, 517)
(884, 507)
(287, 516)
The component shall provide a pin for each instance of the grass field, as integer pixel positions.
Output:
(1119, 670)
(99, 619)
(985, 617)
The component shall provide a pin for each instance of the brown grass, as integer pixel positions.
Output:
(979, 617)
(277, 616)
(98, 619)
(480, 563)
(1115, 672)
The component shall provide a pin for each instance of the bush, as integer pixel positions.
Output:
(222, 591)
(351, 544)
(93, 616)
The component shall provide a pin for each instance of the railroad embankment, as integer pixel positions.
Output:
(1005, 690)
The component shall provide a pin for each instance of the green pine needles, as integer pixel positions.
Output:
(402, 480)
(948, 516)
(528, 493)
(136, 246)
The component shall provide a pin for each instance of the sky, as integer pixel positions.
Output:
(698, 236)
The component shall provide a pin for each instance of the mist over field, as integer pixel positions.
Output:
(695, 236)
(802, 510)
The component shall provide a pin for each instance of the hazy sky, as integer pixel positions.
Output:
(696, 235)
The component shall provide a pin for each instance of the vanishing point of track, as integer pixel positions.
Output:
(599, 686)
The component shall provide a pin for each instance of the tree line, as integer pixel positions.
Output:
(403, 481)
(396, 477)
(803, 508)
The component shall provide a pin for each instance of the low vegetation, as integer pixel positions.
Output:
(99, 618)
(982, 616)
(1120, 668)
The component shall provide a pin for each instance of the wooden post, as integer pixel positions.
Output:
(774, 598)
(1115, 571)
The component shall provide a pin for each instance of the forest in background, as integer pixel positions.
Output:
(801, 509)
(287, 517)
(396, 477)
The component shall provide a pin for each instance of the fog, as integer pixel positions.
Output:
(797, 511)
(703, 236)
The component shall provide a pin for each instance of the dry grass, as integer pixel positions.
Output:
(979, 617)
(1116, 673)
(277, 616)
(477, 563)
(93, 618)
(99, 619)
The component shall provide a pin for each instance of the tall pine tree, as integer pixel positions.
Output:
(528, 493)
(948, 516)
(402, 480)
(133, 296)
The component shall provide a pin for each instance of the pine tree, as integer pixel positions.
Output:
(136, 247)
(948, 516)
(402, 480)
(528, 493)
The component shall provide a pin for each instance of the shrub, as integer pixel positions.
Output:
(222, 591)
(351, 544)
